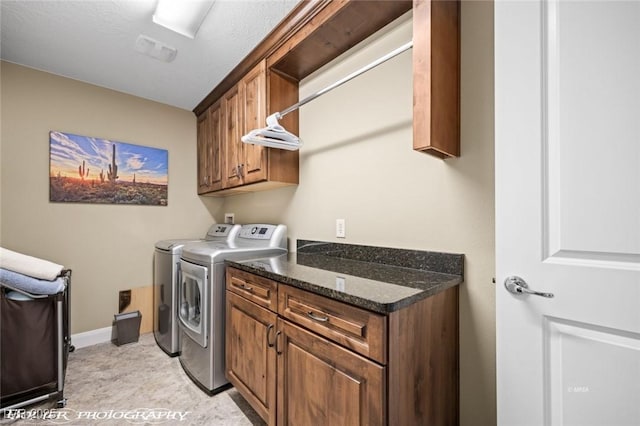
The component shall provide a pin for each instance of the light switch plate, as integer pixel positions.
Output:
(340, 282)
(341, 228)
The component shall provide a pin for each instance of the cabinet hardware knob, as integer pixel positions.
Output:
(246, 287)
(314, 317)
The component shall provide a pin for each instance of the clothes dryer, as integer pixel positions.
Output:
(201, 290)
(166, 266)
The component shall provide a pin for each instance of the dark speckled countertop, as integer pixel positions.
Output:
(379, 279)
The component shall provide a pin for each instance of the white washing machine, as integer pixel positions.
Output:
(166, 265)
(201, 312)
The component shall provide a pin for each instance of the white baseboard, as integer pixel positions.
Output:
(92, 337)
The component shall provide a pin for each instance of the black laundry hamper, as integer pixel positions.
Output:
(34, 347)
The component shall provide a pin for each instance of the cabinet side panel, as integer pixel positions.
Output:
(436, 77)
(421, 74)
(445, 76)
(423, 362)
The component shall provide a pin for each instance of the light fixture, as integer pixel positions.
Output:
(182, 16)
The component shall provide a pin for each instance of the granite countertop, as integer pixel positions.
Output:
(379, 279)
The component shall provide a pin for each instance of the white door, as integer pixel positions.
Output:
(567, 86)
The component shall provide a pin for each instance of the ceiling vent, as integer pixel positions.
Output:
(156, 49)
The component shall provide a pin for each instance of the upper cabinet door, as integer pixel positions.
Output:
(210, 149)
(254, 104)
(233, 161)
(216, 151)
(204, 126)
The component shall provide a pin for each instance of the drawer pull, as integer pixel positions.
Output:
(314, 317)
(246, 287)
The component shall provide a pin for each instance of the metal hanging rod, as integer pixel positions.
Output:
(276, 136)
(340, 82)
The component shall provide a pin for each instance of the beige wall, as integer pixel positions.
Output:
(358, 164)
(109, 247)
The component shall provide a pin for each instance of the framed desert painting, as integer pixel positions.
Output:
(85, 169)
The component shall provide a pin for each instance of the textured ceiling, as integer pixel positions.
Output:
(93, 41)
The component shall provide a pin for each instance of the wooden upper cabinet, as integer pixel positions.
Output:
(436, 77)
(333, 29)
(254, 103)
(232, 132)
(204, 124)
(313, 34)
(216, 150)
(230, 166)
(209, 149)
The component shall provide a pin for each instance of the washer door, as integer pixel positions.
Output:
(192, 299)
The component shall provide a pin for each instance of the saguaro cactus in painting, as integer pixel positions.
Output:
(82, 171)
(112, 173)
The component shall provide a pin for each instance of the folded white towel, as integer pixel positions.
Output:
(29, 265)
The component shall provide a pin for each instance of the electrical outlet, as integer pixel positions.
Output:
(229, 218)
(341, 229)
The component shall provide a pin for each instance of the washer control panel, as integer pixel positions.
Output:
(257, 231)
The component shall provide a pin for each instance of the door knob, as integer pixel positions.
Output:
(517, 285)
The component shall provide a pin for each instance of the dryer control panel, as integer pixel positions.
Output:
(220, 230)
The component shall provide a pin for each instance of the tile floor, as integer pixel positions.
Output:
(139, 384)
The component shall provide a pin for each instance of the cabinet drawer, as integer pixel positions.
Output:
(259, 290)
(362, 331)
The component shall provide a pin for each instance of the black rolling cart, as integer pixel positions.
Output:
(35, 342)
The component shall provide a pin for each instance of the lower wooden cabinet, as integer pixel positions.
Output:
(318, 382)
(322, 383)
(250, 363)
(311, 360)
